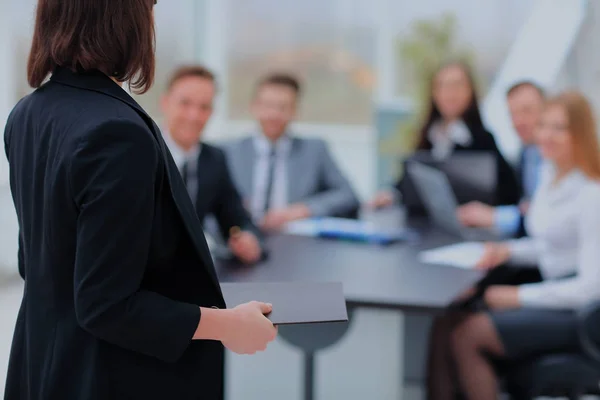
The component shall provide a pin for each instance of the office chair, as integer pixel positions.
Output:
(563, 375)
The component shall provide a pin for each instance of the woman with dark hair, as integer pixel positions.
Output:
(454, 124)
(121, 298)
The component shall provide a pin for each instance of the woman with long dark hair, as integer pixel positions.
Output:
(121, 297)
(454, 124)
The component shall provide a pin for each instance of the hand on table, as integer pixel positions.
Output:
(245, 246)
(466, 295)
(494, 254)
(476, 214)
(275, 219)
(381, 200)
(524, 207)
(502, 297)
(250, 330)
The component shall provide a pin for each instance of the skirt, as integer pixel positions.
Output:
(533, 332)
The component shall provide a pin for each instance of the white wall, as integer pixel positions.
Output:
(8, 220)
(584, 60)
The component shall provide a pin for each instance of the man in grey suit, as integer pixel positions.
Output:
(283, 178)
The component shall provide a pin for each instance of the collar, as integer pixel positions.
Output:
(457, 132)
(96, 81)
(263, 146)
(180, 155)
(568, 183)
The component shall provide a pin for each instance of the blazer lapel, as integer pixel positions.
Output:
(98, 82)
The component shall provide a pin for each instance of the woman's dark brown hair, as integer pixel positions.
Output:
(114, 37)
(471, 116)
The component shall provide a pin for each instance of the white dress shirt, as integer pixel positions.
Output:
(564, 227)
(443, 139)
(279, 194)
(181, 157)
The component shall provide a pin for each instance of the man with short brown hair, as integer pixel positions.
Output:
(284, 177)
(187, 105)
(525, 103)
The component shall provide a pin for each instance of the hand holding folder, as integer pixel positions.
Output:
(255, 333)
(293, 302)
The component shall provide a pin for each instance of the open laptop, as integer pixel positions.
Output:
(440, 202)
(471, 174)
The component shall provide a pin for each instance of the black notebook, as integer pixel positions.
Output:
(293, 302)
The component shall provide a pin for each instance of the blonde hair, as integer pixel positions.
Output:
(582, 127)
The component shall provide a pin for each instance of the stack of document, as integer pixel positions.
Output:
(461, 255)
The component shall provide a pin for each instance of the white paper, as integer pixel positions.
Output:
(461, 255)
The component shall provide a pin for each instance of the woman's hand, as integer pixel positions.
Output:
(249, 330)
(495, 254)
(502, 297)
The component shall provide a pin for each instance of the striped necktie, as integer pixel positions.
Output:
(270, 178)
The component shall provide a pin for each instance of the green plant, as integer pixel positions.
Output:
(430, 43)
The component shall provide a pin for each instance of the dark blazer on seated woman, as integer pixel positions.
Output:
(102, 241)
(471, 135)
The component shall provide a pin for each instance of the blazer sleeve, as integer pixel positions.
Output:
(112, 178)
(21, 257)
(336, 198)
(230, 210)
(508, 191)
(584, 287)
(20, 250)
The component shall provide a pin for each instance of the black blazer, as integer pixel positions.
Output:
(217, 194)
(112, 252)
(508, 191)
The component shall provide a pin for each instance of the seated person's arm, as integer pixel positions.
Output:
(243, 237)
(506, 220)
(575, 292)
(337, 196)
(523, 252)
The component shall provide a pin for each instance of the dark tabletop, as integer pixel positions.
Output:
(372, 275)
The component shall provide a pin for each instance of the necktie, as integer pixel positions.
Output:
(270, 178)
(185, 174)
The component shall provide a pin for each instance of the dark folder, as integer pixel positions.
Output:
(293, 302)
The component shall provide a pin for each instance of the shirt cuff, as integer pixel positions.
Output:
(528, 295)
(523, 252)
(507, 220)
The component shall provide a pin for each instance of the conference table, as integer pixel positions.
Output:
(373, 276)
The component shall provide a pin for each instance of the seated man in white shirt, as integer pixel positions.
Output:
(282, 177)
(525, 103)
(187, 106)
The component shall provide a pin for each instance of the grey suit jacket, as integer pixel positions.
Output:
(317, 181)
